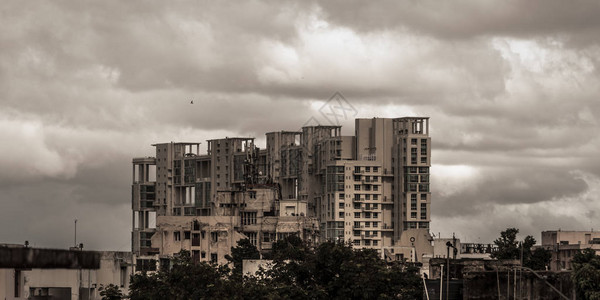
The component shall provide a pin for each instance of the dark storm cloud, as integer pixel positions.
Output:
(466, 19)
(511, 88)
(509, 186)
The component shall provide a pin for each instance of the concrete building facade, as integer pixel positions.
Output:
(27, 273)
(371, 189)
(564, 245)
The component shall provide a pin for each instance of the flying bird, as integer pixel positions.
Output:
(192, 102)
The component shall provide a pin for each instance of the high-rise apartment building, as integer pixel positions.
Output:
(371, 189)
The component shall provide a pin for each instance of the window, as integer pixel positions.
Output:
(123, 276)
(413, 214)
(375, 197)
(367, 224)
(423, 169)
(367, 197)
(375, 215)
(356, 242)
(252, 237)
(341, 195)
(375, 243)
(367, 169)
(413, 141)
(367, 242)
(376, 188)
(249, 218)
(186, 235)
(375, 169)
(356, 169)
(424, 159)
(367, 215)
(357, 187)
(375, 224)
(341, 215)
(423, 196)
(145, 265)
(177, 235)
(357, 215)
(214, 236)
(213, 258)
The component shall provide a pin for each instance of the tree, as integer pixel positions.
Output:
(290, 248)
(110, 292)
(510, 248)
(507, 245)
(243, 250)
(334, 270)
(586, 274)
(329, 271)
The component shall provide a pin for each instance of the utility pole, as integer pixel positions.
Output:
(75, 239)
(441, 281)
(448, 273)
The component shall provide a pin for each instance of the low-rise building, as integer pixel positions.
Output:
(33, 273)
(565, 244)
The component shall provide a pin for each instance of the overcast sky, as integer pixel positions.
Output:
(512, 89)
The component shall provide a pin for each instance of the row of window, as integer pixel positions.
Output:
(366, 243)
(214, 236)
(415, 141)
(358, 224)
(358, 169)
(366, 187)
(359, 197)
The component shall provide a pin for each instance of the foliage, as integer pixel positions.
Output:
(510, 248)
(507, 245)
(337, 271)
(586, 274)
(244, 250)
(329, 271)
(110, 292)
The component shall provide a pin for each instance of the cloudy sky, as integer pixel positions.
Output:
(512, 89)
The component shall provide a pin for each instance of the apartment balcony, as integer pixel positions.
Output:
(387, 227)
(387, 173)
(266, 245)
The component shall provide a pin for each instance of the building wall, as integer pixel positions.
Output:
(115, 268)
(565, 244)
(371, 205)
